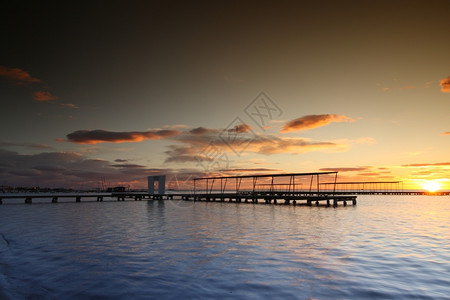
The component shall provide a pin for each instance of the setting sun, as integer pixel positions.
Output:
(431, 185)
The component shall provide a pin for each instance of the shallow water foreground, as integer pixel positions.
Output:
(386, 247)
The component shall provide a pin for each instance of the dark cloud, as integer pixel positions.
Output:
(183, 154)
(25, 145)
(206, 148)
(313, 121)
(120, 160)
(74, 170)
(127, 166)
(241, 128)
(203, 131)
(103, 136)
(445, 84)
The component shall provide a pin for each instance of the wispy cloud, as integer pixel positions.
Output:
(44, 96)
(119, 160)
(345, 169)
(313, 121)
(295, 146)
(445, 84)
(251, 170)
(127, 166)
(17, 76)
(200, 144)
(175, 126)
(69, 105)
(103, 136)
(366, 141)
(184, 154)
(428, 84)
(370, 174)
(26, 145)
(428, 164)
(446, 133)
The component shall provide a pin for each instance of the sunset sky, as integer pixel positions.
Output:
(125, 89)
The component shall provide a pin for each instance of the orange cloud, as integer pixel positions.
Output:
(103, 136)
(428, 165)
(250, 170)
(17, 76)
(445, 84)
(292, 146)
(313, 121)
(43, 96)
(368, 174)
(446, 133)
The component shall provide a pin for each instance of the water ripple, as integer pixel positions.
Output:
(384, 248)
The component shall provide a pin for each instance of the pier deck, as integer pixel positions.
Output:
(269, 189)
(275, 198)
(266, 189)
(305, 197)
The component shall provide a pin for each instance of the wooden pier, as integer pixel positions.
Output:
(99, 197)
(258, 198)
(229, 197)
(294, 188)
(270, 188)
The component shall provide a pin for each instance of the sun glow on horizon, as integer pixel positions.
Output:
(431, 185)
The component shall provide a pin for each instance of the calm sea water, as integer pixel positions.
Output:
(386, 247)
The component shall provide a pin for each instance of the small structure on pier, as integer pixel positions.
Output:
(157, 183)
